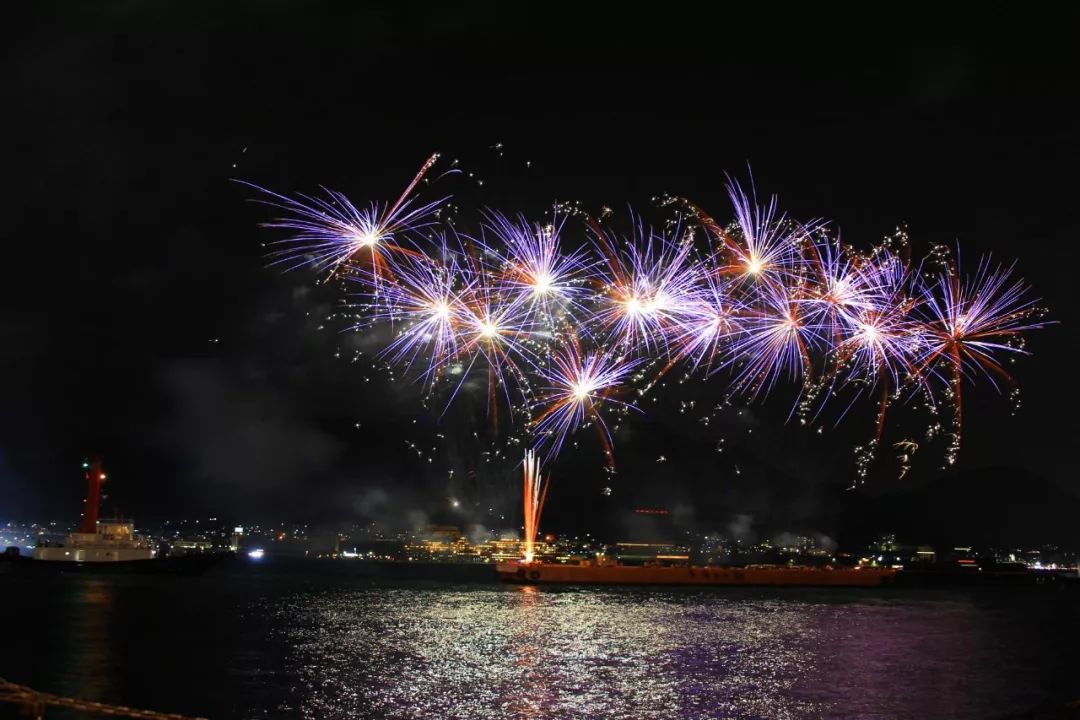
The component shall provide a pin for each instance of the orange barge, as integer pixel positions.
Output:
(593, 573)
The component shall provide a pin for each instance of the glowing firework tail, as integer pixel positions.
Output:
(970, 323)
(330, 233)
(535, 491)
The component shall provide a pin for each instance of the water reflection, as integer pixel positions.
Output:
(91, 650)
(535, 684)
(529, 654)
(297, 647)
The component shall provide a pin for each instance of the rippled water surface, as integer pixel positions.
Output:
(246, 642)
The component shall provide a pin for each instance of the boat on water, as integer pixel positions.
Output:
(106, 545)
(599, 572)
(111, 542)
(97, 541)
(603, 570)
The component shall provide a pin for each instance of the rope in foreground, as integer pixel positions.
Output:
(33, 704)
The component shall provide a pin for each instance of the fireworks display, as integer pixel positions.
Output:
(571, 321)
(534, 494)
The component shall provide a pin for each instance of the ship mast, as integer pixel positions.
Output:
(94, 477)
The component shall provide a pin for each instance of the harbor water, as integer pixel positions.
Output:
(277, 640)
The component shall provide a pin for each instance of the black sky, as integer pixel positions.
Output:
(139, 320)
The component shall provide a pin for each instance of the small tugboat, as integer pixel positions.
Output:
(601, 572)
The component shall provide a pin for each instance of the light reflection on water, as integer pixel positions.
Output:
(249, 643)
(92, 653)
(528, 653)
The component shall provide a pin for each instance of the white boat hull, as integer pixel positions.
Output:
(92, 554)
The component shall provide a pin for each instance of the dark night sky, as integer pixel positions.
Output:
(127, 249)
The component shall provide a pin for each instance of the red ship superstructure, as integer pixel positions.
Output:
(95, 475)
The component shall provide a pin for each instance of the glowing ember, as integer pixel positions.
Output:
(367, 239)
(542, 284)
